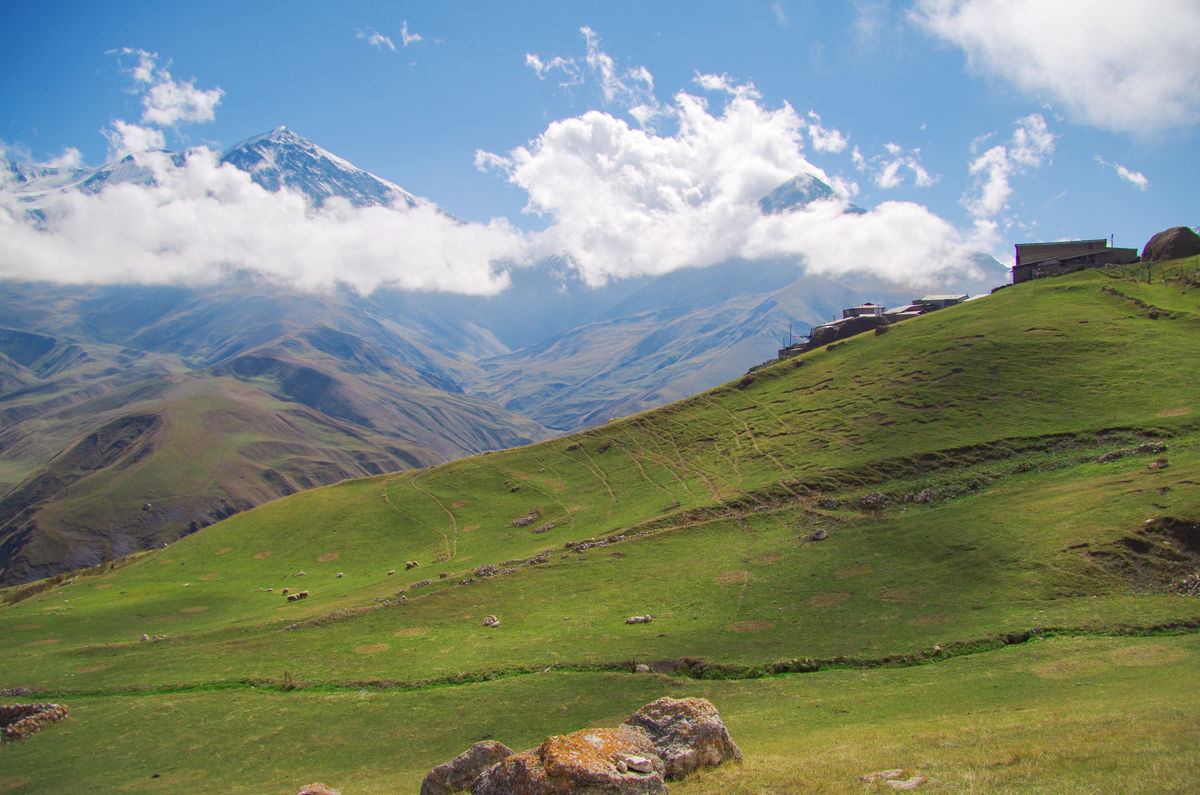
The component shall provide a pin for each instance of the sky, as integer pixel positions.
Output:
(630, 137)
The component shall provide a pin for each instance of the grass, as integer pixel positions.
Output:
(952, 464)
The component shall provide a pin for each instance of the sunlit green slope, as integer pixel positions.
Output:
(1023, 465)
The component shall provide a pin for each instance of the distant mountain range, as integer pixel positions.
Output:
(131, 415)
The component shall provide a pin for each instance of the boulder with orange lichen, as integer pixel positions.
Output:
(620, 761)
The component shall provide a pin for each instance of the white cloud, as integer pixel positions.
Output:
(202, 220)
(165, 101)
(825, 139)
(623, 201)
(1127, 67)
(1030, 144)
(70, 158)
(890, 169)
(407, 38)
(376, 39)
(631, 89)
(125, 138)
(1134, 178)
(543, 68)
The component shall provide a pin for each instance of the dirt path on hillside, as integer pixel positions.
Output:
(451, 543)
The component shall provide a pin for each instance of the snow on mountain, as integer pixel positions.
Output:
(281, 158)
(274, 160)
(799, 192)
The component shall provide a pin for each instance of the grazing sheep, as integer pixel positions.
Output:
(412, 564)
(293, 597)
(304, 595)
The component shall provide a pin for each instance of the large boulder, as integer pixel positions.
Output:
(1174, 243)
(457, 774)
(687, 733)
(620, 761)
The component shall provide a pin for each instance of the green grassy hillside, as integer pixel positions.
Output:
(969, 526)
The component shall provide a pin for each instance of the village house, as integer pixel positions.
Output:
(1038, 260)
(864, 317)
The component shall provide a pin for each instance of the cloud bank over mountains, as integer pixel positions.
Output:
(635, 186)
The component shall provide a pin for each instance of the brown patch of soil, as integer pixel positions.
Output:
(210, 576)
(43, 642)
(266, 553)
(930, 621)
(757, 625)
(13, 783)
(165, 562)
(101, 586)
(850, 572)
(328, 556)
(828, 598)
(470, 528)
(29, 627)
(1147, 655)
(1178, 411)
(411, 632)
(729, 578)
(900, 595)
(576, 508)
(91, 669)
(371, 648)
(196, 609)
(458, 503)
(224, 551)
(770, 557)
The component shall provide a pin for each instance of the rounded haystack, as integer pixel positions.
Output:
(1174, 243)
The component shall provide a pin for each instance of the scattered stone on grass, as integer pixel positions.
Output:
(457, 774)
(894, 779)
(527, 519)
(18, 721)
(641, 668)
(491, 621)
(487, 570)
(317, 789)
(639, 619)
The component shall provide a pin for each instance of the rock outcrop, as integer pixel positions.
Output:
(666, 739)
(621, 761)
(1179, 241)
(457, 774)
(687, 733)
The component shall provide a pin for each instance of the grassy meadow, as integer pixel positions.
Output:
(949, 549)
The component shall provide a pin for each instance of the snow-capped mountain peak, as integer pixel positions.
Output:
(799, 192)
(281, 158)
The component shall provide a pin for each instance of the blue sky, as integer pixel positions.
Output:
(963, 124)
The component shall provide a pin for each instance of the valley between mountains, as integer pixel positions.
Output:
(964, 549)
(132, 415)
